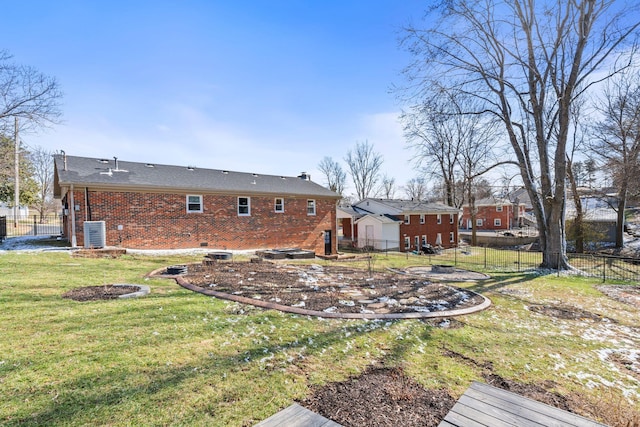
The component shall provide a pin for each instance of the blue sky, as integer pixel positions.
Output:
(256, 86)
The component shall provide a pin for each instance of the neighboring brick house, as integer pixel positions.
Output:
(493, 214)
(150, 206)
(405, 225)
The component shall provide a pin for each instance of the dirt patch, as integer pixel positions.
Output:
(564, 312)
(93, 293)
(624, 293)
(380, 397)
(330, 289)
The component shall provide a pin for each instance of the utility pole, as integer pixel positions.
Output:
(16, 190)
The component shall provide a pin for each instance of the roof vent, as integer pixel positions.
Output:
(305, 176)
(255, 174)
(105, 161)
(150, 165)
(225, 172)
(191, 168)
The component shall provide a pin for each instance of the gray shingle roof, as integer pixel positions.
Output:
(85, 171)
(409, 206)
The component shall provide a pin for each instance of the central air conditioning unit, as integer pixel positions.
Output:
(94, 234)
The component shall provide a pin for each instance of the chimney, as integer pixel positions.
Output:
(116, 161)
(64, 159)
(305, 176)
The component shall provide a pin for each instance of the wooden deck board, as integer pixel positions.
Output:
(484, 405)
(297, 416)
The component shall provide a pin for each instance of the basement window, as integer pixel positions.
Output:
(194, 203)
(244, 206)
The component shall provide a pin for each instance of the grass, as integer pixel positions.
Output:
(179, 358)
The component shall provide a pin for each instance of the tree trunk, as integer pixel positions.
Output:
(622, 204)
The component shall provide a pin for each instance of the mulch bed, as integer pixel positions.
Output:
(330, 288)
(93, 293)
(380, 397)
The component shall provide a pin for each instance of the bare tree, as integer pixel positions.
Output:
(335, 177)
(27, 94)
(388, 187)
(416, 189)
(42, 161)
(435, 142)
(364, 166)
(617, 139)
(527, 62)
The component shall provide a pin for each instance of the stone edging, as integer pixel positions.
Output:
(298, 310)
(142, 290)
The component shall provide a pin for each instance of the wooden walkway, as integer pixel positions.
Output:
(484, 405)
(297, 416)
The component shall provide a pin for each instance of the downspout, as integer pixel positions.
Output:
(72, 210)
(87, 204)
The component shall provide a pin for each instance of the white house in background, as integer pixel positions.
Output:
(6, 210)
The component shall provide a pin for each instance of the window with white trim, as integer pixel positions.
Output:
(244, 206)
(194, 203)
(424, 240)
(450, 218)
(479, 222)
(452, 237)
(407, 219)
(279, 205)
(311, 207)
(498, 208)
(497, 222)
(421, 218)
(416, 241)
(439, 221)
(407, 243)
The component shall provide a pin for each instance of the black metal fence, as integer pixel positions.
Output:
(607, 268)
(32, 225)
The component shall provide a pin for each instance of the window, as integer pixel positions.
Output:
(421, 218)
(194, 203)
(498, 208)
(311, 207)
(450, 218)
(279, 205)
(452, 237)
(479, 222)
(439, 219)
(244, 206)
(407, 243)
(407, 219)
(416, 241)
(424, 240)
(497, 222)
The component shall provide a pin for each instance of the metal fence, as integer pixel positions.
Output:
(33, 225)
(607, 268)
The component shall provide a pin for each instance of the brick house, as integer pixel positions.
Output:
(151, 206)
(494, 214)
(404, 225)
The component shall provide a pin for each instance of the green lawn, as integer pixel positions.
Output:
(179, 358)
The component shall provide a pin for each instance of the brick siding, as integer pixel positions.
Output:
(430, 228)
(161, 221)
